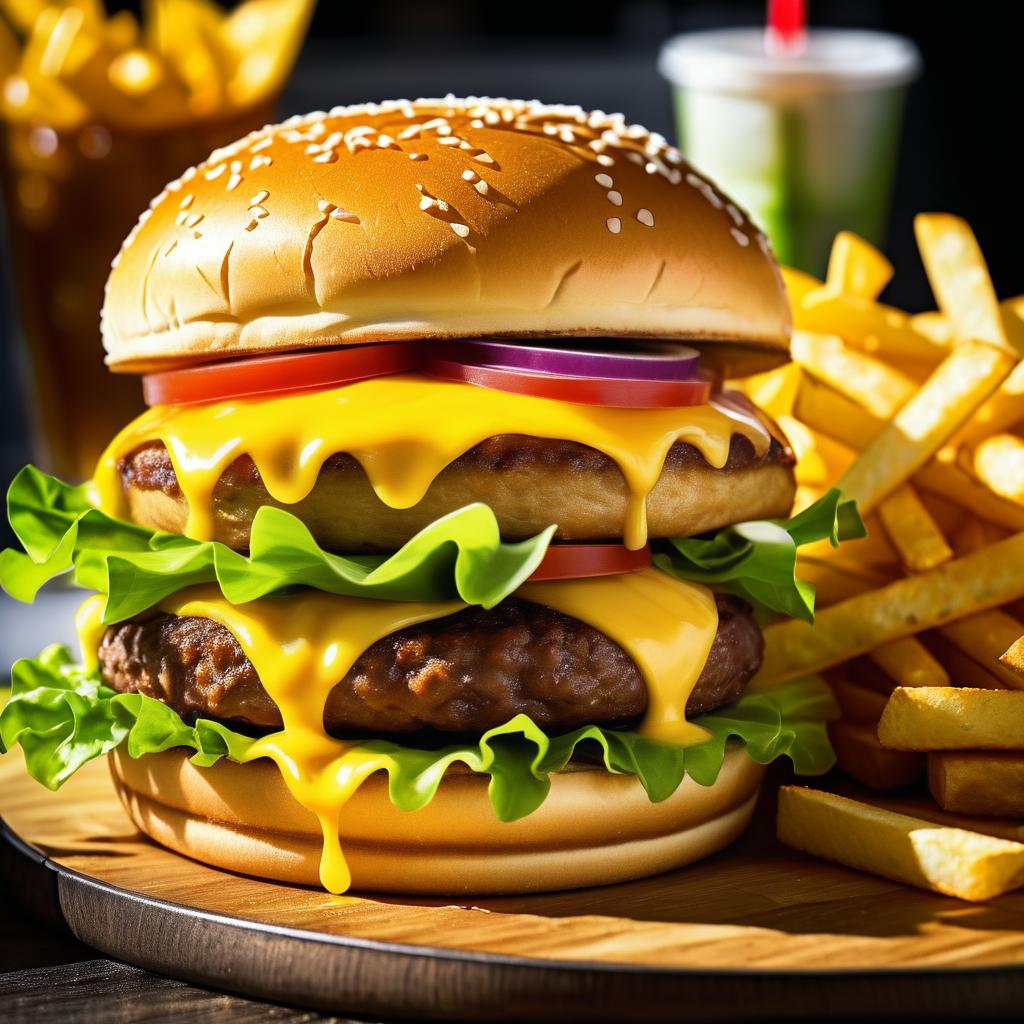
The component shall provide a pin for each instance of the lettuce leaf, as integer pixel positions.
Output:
(63, 716)
(459, 555)
(757, 560)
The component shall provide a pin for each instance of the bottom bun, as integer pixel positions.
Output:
(594, 828)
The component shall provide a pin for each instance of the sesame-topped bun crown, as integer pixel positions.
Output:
(442, 218)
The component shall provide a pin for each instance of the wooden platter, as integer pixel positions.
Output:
(757, 932)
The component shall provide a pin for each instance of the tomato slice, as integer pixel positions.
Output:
(267, 375)
(623, 394)
(576, 561)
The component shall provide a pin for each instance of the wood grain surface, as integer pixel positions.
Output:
(757, 909)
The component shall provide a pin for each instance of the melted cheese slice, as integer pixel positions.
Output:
(301, 645)
(404, 430)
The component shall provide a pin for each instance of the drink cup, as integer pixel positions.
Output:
(807, 142)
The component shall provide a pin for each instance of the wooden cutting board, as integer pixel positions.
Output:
(757, 932)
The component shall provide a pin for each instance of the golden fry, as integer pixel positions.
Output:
(857, 267)
(858, 703)
(969, 782)
(912, 530)
(960, 280)
(968, 865)
(908, 662)
(986, 579)
(952, 718)
(963, 670)
(834, 415)
(968, 375)
(986, 637)
(953, 483)
(998, 462)
(862, 757)
(1013, 659)
(863, 379)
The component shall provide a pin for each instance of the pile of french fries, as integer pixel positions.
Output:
(920, 628)
(66, 64)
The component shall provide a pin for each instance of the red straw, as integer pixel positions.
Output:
(786, 31)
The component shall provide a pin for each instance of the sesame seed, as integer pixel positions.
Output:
(261, 145)
(324, 206)
(635, 157)
(260, 197)
(650, 167)
(737, 217)
(645, 217)
(476, 123)
(605, 160)
(482, 187)
(604, 180)
(615, 198)
(325, 158)
(614, 225)
(484, 158)
(426, 203)
(194, 220)
(344, 215)
(186, 202)
(236, 166)
(470, 175)
(460, 229)
(448, 140)
(233, 182)
(385, 142)
(215, 172)
(312, 148)
(739, 236)
(259, 212)
(417, 156)
(259, 161)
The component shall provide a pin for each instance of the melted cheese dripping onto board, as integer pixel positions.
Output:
(404, 430)
(303, 644)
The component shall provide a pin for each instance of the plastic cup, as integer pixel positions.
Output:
(808, 142)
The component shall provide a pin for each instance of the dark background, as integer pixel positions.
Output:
(960, 151)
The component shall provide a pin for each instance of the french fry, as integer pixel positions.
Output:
(998, 462)
(913, 532)
(798, 284)
(873, 550)
(1013, 659)
(775, 390)
(953, 861)
(862, 378)
(908, 662)
(934, 326)
(960, 280)
(947, 515)
(952, 718)
(986, 637)
(836, 581)
(951, 482)
(974, 534)
(862, 757)
(867, 325)
(265, 37)
(858, 703)
(965, 378)
(820, 460)
(857, 267)
(828, 412)
(10, 50)
(1005, 409)
(969, 782)
(924, 807)
(986, 579)
(962, 668)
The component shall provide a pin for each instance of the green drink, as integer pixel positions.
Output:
(808, 143)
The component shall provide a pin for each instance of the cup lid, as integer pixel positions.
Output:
(735, 60)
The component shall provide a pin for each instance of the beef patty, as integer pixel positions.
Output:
(464, 673)
(529, 482)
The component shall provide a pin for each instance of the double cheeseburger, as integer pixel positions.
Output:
(437, 415)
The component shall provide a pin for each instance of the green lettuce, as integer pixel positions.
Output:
(459, 555)
(757, 560)
(63, 716)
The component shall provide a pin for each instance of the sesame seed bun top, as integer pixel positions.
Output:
(442, 218)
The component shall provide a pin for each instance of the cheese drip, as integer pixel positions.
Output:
(302, 645)
(403, 430)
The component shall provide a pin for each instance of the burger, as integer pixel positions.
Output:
(438, 562)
